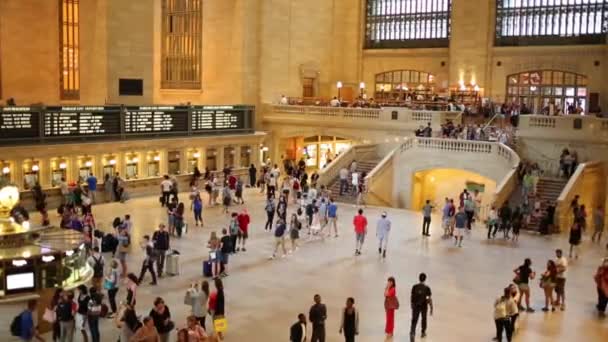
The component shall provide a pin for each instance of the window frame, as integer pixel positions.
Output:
(184, 72)
(527, 20)
(413, 19)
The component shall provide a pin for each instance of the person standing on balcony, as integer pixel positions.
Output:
(334, 102)
(426, 218)
(343, 180)
(283, 100)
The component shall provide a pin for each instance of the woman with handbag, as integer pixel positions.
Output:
(162, 319)
(547, 283)
(350, 321)
(391, 303)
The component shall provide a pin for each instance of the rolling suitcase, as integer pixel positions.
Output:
(172, 264)
(207, 269)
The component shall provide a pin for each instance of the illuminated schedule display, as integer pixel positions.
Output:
(207, 118)
(81, 121)
(156, 119)
(25, 125)
(19, 123)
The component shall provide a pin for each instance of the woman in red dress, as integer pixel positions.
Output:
(390, 305)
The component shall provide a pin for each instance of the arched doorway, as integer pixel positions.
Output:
(393, 85)
(537, 89)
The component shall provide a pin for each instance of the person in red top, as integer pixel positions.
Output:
(243, 234)
(360, 223)
(232, 182)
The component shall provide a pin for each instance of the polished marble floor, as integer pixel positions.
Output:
(264, 296)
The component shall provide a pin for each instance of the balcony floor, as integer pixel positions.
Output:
(264, 297)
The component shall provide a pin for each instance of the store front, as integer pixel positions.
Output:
(317, 151)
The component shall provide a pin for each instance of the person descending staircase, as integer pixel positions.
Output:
(363, 166)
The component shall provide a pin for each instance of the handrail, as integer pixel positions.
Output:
(331, 170)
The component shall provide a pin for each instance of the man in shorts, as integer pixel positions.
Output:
(560, 281)
(461, 223)
(360, 223)
(243, 233)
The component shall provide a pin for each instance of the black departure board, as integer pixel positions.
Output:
(205, 118)
(19, 123)
(74, 121)
(156, 119)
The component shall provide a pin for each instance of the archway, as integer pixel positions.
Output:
(437, 184)
(537, 89)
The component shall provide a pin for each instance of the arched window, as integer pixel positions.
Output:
(539, 88)
(393, 85)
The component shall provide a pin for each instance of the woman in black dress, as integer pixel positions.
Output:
(350, 321)
(252, 174)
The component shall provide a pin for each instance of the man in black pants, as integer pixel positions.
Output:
(420, 301)
(426, 218)
(161, 239)
(148, 264)
(317, 317)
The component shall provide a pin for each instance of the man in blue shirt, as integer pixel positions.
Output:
(28, 330)
(332, 217)
(92, 185)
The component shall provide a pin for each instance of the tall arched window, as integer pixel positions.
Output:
(548, 22)
(407, 23)
(539, 88)
(69, 50)
(395, 84)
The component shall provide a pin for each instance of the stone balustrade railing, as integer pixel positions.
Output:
(344, 159)
(566, 127)
(386, 115)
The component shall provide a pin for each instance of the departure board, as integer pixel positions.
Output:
(156, 119)
(218, 118)
(19, 123)
(76, 121)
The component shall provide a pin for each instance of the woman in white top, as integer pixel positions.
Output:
(501, 318)
(197, 298)
(492, 221)
(355, 182)
(315, 226)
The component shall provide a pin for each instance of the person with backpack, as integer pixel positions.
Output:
(161, 240)
(82, 310)
(279, 234)
(93, 313)
(23, 324)
(149, 261)
(65, 315)
(97, 262)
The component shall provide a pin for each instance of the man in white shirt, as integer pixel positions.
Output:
(283, 100)
(334, 102)
(560, 284)
(343, 180)
(165, 187)
(355, 182)
(383, 228)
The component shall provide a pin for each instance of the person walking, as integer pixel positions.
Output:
(523, 275)
(343, 180)
(332, 217)
(279, 234)
(297, 332)
(82, 301)
(233, 229)
(426, 218)
(217, 304)
(93, 314)
(575, 238)
(561, 262)
(110, 283)
(65, 315)
(161, 316)
(360, 223)
(601, 281)
(391, 303)
(165, 188)
(252, 175)
(505, 214)
(547, 283)
(270, 209)
(492, 222)
(161, 241)
(501, 317)
(421, 302)
(197, 209)
(294, 232)
(349, 326)
(598, 223)
(460, 220)
(243, 234)
(383, 228)
(149, 260)
(317, 317)
(147, 332)
(197, 297)
(28, 331)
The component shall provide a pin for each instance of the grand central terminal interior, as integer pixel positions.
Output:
(252, 155)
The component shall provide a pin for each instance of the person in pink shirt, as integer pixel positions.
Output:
(360, 223)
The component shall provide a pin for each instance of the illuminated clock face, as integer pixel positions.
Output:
(9, 196)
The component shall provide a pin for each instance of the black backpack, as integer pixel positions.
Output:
(16, 325)
(97, 267)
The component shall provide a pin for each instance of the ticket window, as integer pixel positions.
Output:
(57, 176)
(31, 175)
(109, 170)
(5, 174)
(83, 173)
(173, 163)
(310, 155)
(264, 154)
(132, 168)
(211, 160)
(153, 168)
(245, 156)
(192, 163)
(229, 156)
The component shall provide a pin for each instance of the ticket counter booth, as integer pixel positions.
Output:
(132, 166)
(212, 159)
(245, 156)
(193, 160)
(229, 156)
(58, 171)
(31, 173)
(5, 172)
(109, 165)
(173, 159)
(85, 168)
(153, 164)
